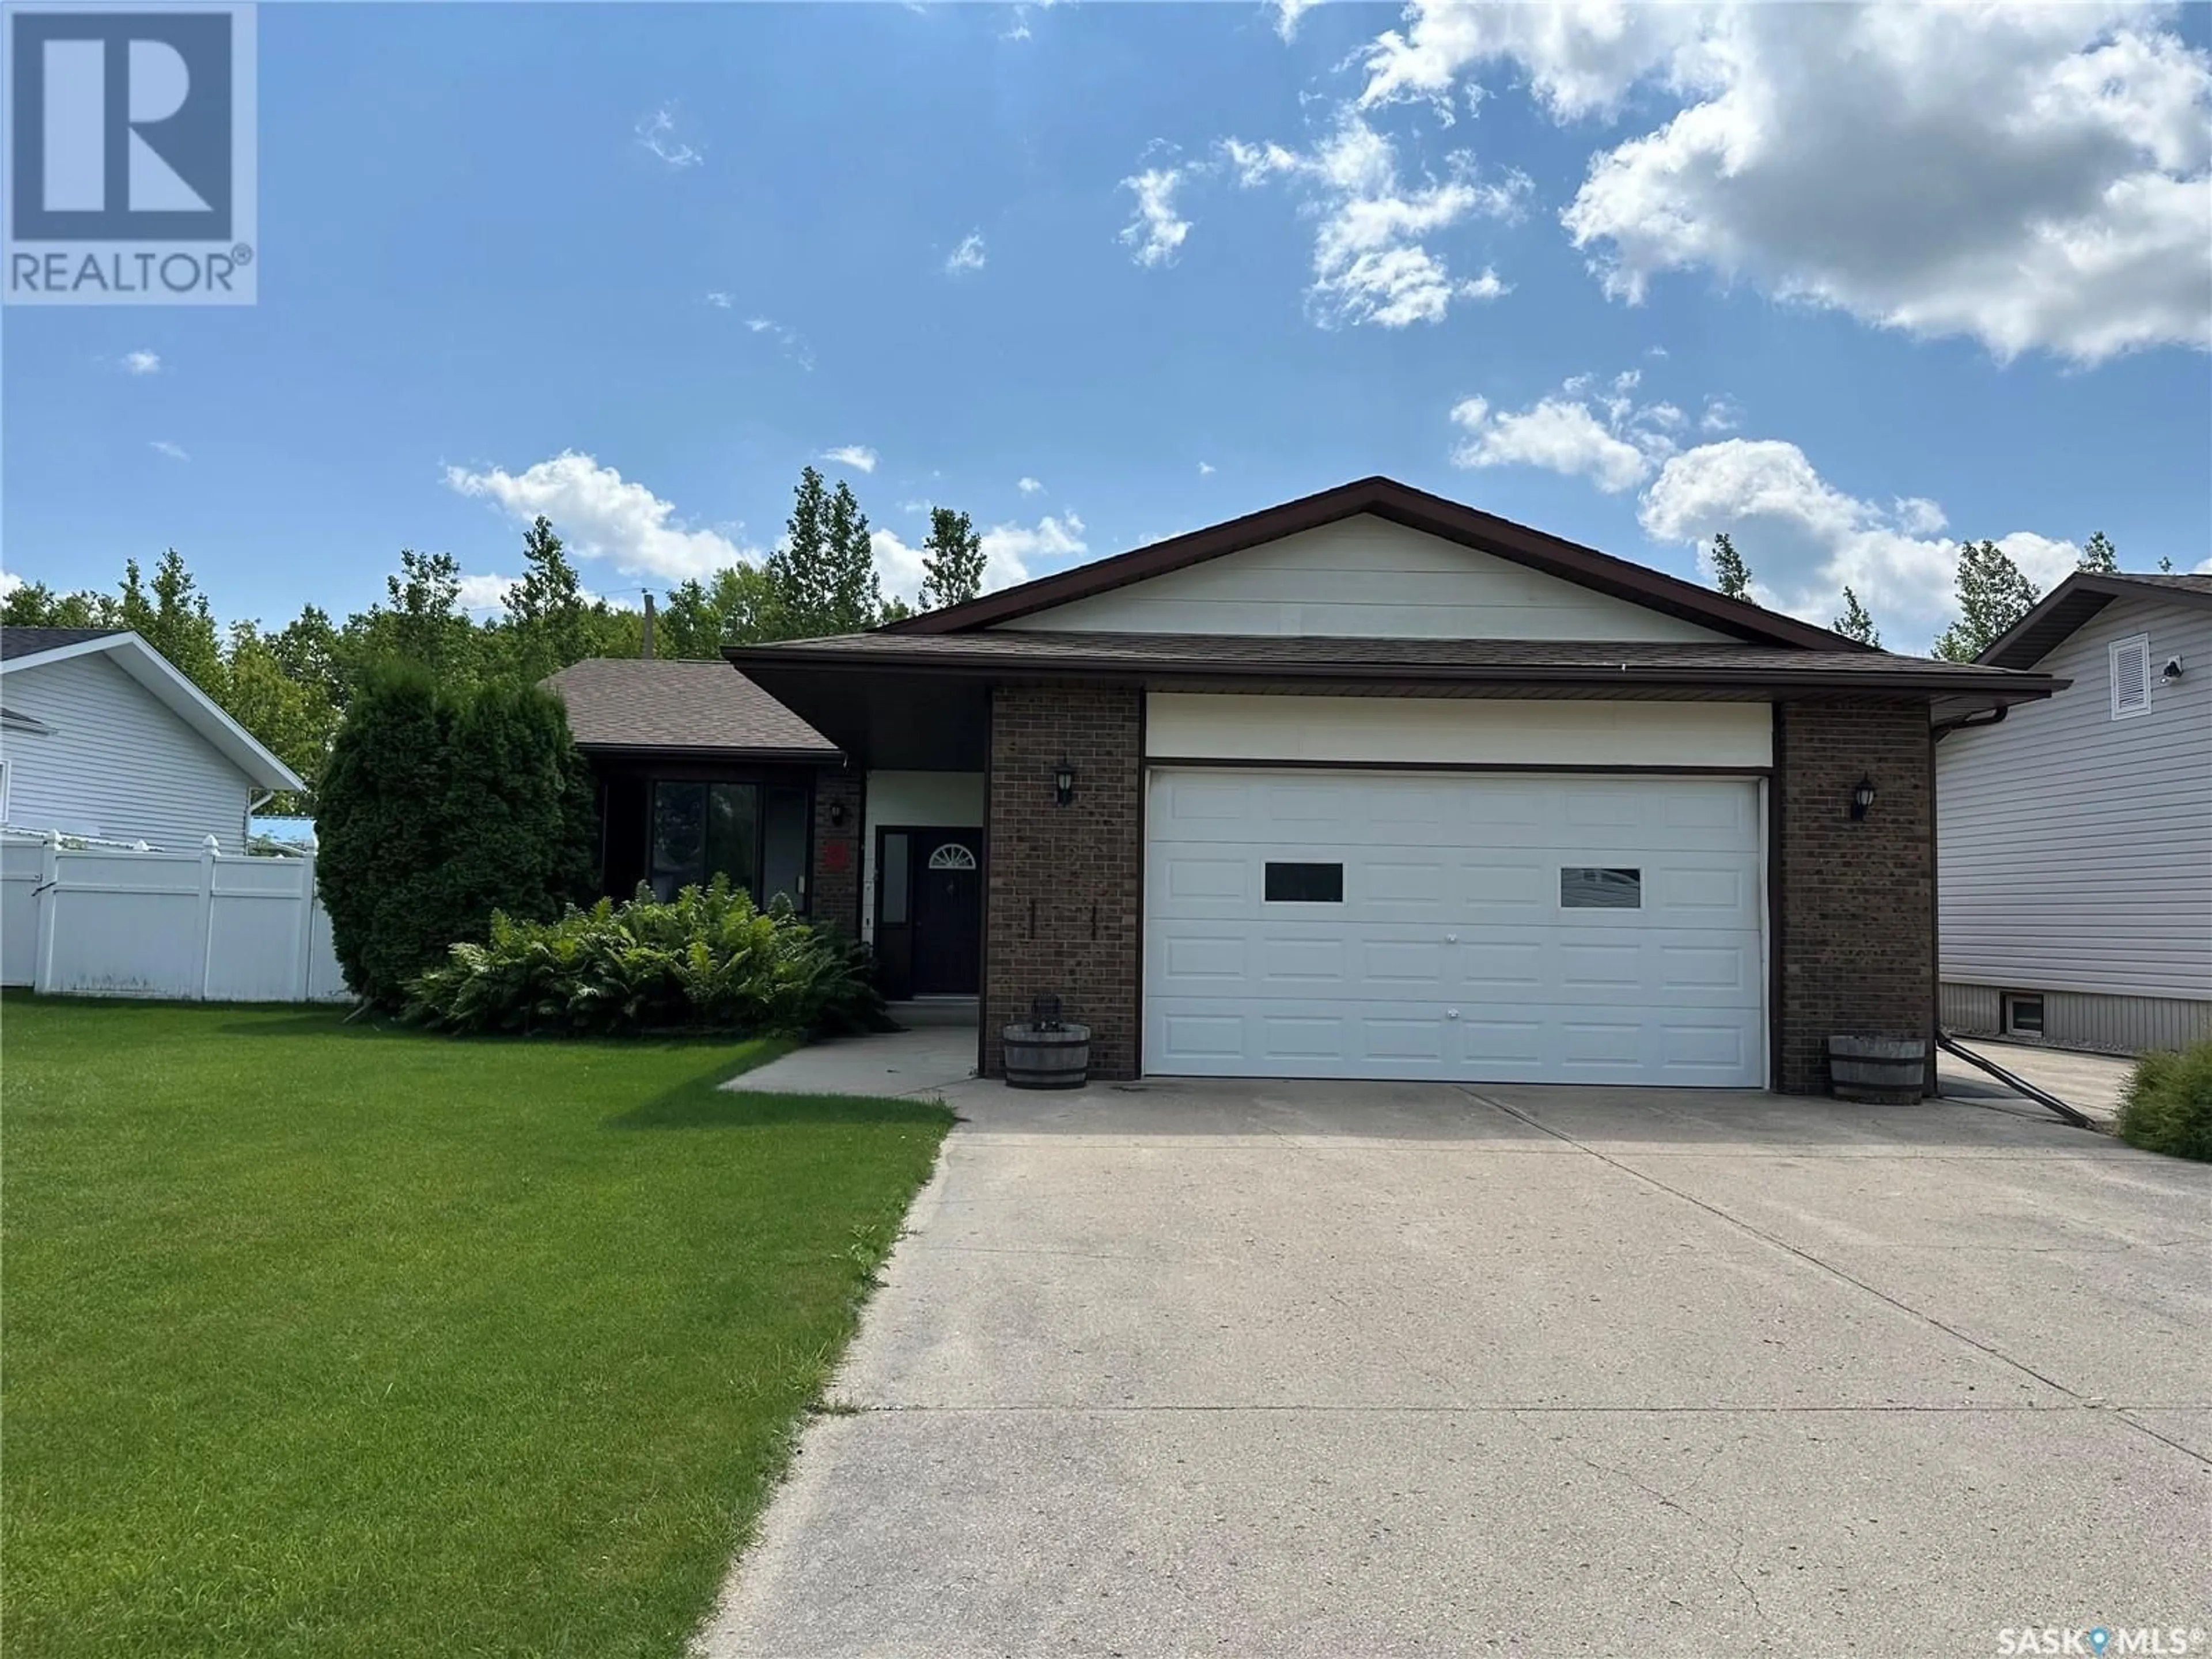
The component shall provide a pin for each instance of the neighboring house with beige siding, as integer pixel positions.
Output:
(99, 736)
(2074, 836)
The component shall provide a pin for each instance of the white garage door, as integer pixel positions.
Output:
(1490, 928)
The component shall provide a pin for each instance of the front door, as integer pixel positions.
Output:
(948, 912)
(929, 911)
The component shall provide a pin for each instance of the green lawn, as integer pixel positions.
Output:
(330, 1340)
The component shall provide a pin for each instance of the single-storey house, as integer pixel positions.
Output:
(2076, 835)
(1375, 785)
(100, 736)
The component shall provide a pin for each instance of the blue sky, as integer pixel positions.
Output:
(634, 267)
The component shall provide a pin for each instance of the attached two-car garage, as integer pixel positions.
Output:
(1476, 927)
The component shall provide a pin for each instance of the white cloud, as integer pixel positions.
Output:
(1287, 13)
(1007, 550)
(9, 581)
(1010, 547)
(2030, 177)
(1722, 413)
(717, 298)
(1019, 28)
(1029, 486)
(174, 452)
(792, 343)
(1156, 231)
(1805, 539)
(656, 132)
(142, 361)
(1579, 58)
(969, 255)
(481, 594)
(604, 516)
(1558, 434)
(858, 456)
(1205, 469)
(1371, 263)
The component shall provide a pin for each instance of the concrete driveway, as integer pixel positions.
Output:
(1330, 1369)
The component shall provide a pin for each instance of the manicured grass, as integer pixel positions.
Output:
(331, 1340)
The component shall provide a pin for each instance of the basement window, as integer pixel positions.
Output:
(1306, 883)
(2023, 1013)
(1583, 887)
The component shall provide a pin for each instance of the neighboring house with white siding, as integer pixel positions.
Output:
(2074, 836)
(99, 736)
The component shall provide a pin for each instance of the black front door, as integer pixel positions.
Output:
(947, 885)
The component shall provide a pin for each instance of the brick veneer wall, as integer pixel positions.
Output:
(1065, 895)
(836, 886)
(1855, 932)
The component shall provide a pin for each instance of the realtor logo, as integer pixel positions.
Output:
(129, 157)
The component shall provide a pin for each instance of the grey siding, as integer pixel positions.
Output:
(2083, 1019)
(2075, 850)
(117, 762)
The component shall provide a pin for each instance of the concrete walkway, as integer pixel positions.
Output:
(1315, 1369)
(936, 1051)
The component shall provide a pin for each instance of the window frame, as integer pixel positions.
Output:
(1304, 867)
(762, 788)
(1633, 885)
(2137, 645)
(2008, 1005)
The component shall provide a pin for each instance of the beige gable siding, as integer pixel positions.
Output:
(2074, 849)
(1365, 577)
(117, 762)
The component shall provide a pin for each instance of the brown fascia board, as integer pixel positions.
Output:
(701, 751)
(1416, 509)
(2010, 685)
(2066, 607)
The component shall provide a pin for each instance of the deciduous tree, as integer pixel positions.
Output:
(1857, 623)
(1993, 595)
(1730, 573)
(951, 560)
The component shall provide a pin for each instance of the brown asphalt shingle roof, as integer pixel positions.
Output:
(1014, 650)
(636, 702)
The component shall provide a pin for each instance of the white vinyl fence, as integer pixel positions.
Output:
(114, 921)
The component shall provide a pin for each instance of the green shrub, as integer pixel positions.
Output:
(2168, 1104)
(437, 808)
(707, 960)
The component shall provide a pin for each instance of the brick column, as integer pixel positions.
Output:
(1064, 899)
(836, 876)
(1855, 901)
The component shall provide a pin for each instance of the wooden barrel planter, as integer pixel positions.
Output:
(1054, 1056)
(1882, 1071)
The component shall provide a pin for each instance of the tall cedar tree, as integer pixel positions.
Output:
(2097, 554)
(1993, 595)
(1730, 573)
(951, 560)
(1857, 623)
(438, 807)
(854, 595)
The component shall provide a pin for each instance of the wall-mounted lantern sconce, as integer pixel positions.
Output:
(1063, 783)
(1861, 798)
(838, 815)
(2171, 672)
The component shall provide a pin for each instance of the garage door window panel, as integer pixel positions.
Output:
(1302, 883)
